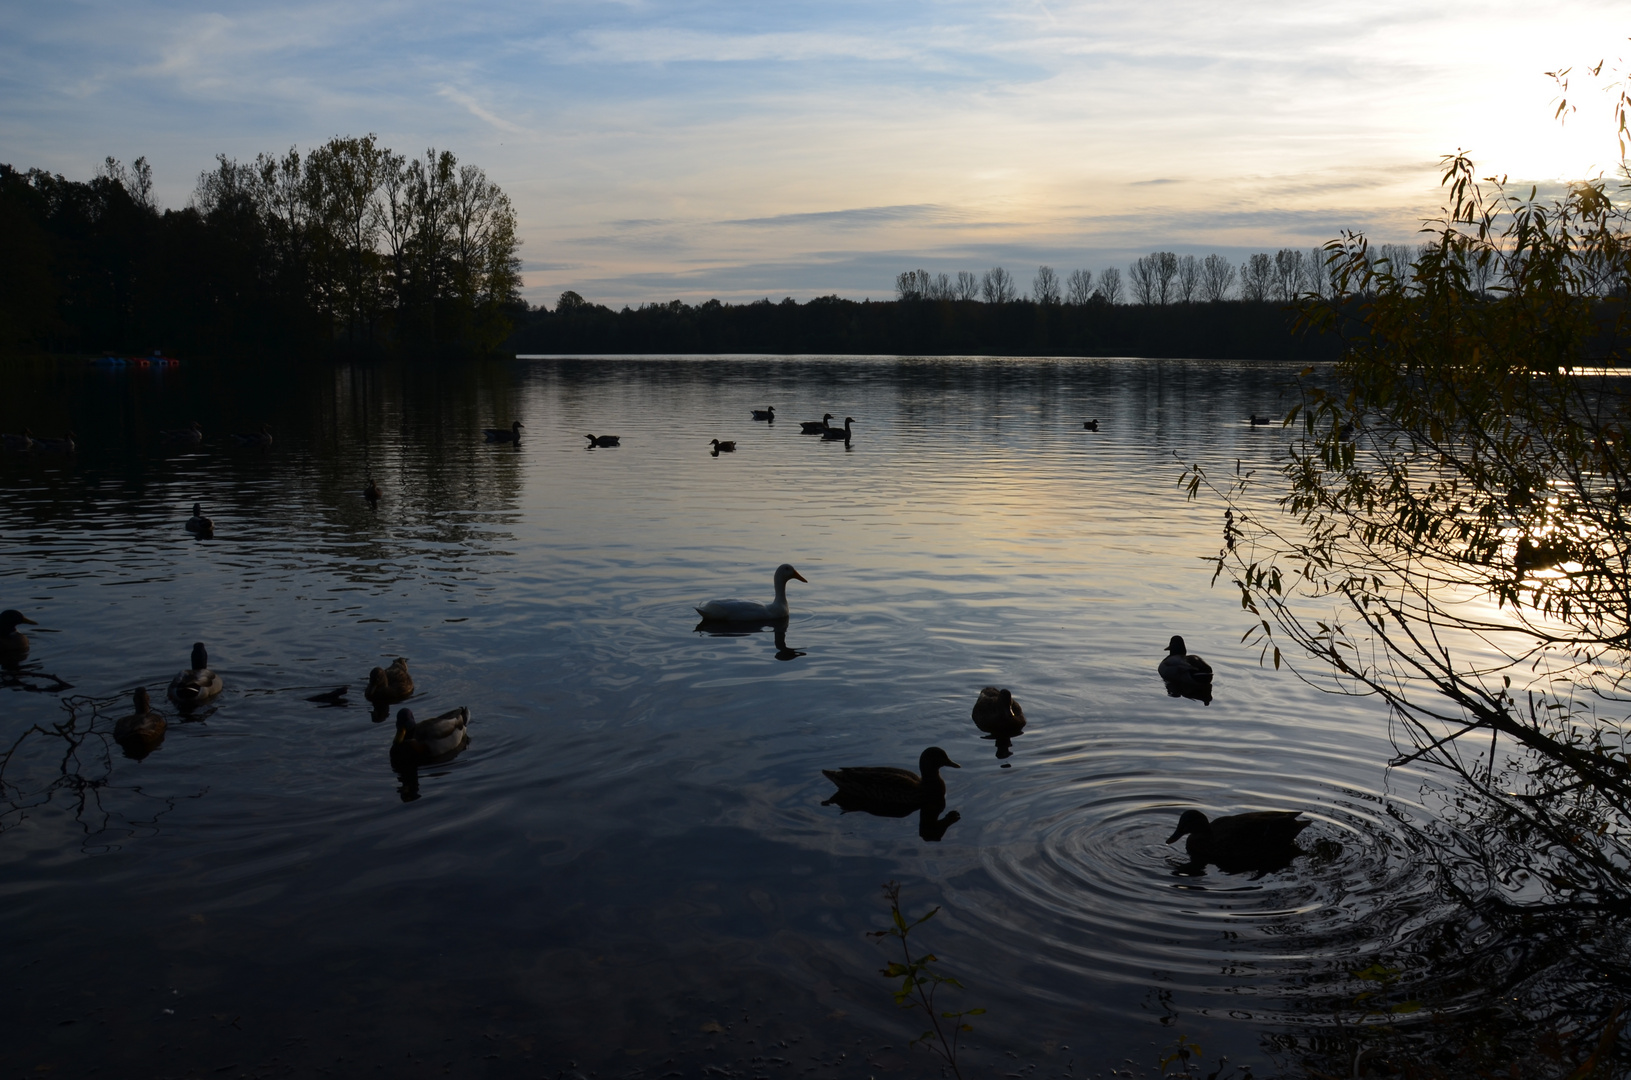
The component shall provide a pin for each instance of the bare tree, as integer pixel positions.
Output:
(967, 286)
(1145, 278)
(1166, 268)
(1188, 285)
(1257, 277)
(1045, 286)
(1110, 286)
(1217, 278)
(1079, 287)
(914, 284)
(1288, 273)
(997, 286)
(942, 288)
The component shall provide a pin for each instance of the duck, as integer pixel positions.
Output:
(335, 698)
(64, 445)
(1253, 839)
(25, 441)
(501, 435)
(766, 413)
(1186, 675)
(1090, 425)
(389, 685)
(429, 742)
(192, 434)
(604, 440)
(197, 684)
(997, 713)
(141, 732)
(1260, 421)
(370, 491)
(833, 434)
(198, 524)
(12, 641)
(814, 427)
(887, 786)
(752, 611)
(263, 437)
(724, 447)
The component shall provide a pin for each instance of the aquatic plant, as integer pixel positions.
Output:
(921, 982)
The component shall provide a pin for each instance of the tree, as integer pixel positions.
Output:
(1079, 287)
(1187, 287)
(1257, 277)
(1217, 278)
(967, 286)
(1110, 286)
(1288, 274)
(1144, 277)
(998, 286)
(913, 284)
(1045, 286)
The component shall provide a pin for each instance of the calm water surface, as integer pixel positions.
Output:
(630, 868)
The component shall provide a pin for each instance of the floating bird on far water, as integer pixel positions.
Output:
(511, 434)
(13, 642)
(389, 685)
(25, 441)
(63, 445)
(1091, 425)
(1184, 674)
(833, 434)
(766, 413)
(197, 684)
(603, 440)
(198, 524)
(751, 610)
(814, 427)
(263, 437)
(191, 435)
(724, 448)
(997, 713)
(884, 786)
(1260, 421)
(370, 491)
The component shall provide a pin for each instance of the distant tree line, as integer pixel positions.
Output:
(349, 246)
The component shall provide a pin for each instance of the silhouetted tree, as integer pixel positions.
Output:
(1110, 285)
(1288, 273)
(1045, 287)
(1257, 277)
(1079, 287)
(967, 287)
(997, 287)
(1217, 278)
(1187, 286)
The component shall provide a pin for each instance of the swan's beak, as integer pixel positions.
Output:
(801, 577)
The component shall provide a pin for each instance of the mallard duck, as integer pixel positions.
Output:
(886, 786)
(429, 742)
(389, 685)
(197, 684)
(25, 441)
(192, 434)
(814, 427)
(141, 732)
(1260, 421)
(724, 447)
(12, 641)
(604, 440)
(510, 434)
(997, 713)
(263, 437)
(334, 697)
(370, 491)
(1241, 840)
(750, 610)
(198, 524)
(1186, 675)
(64, 445)
(833, 434)
(766, 413)
(1090, 425)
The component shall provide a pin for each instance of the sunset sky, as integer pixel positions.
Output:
(669, 149)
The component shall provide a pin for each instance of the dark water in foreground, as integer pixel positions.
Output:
(630, 867)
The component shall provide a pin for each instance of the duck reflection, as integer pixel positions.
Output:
(999, 716)
(885, 791)
(778, 629)
(932, 821)
(1258, 843)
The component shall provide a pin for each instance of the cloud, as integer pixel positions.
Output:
(860, 217)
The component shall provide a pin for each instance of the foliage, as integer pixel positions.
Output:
(921, 982)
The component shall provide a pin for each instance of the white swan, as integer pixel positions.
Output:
(751, 611)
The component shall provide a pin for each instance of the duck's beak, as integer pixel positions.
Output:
(801, 577)
(31, 622)
(1176, 835)
(953, 764)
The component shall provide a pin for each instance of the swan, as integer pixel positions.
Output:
(429, 742)
(814, 427)
(140, 733)
(997, 713)
(13, 642)
(197, 684)
(604, 440)
(192, 435)
(751, 611)
(198, 524)
(724, 447)
(888, 786)
(833, 434)
(387, 686)
(766, 413)
(512, 434)
(1243, 839)
(263, 437)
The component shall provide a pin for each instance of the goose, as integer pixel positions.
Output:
(389, 685)
(263, 437)
(1260, 421)
(997, 713)
(198, 524)
(25, 441)
(724, 447)
(1253, 839)
(12, 641)
(752, 611)
(192, 435)
(197, 684)
(141, 732)
(429, 742)
(1186, 675)
(512, 434)
(814, 427)
(370, 491)
(886, 786)
(833, 434)
(63, 445)
(766, 413)
(1090, 425)
(604, 440)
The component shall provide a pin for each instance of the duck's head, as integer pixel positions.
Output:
(11, 618)
(516, 425)
(198, 509)
(786, 573)
(848, 420)
(935, 758)
(826, 416)
(1006, 700)
(1190, 821)
(404, 722)
(377, 679)
(201, 659)
(1176, 646)
(140, 700)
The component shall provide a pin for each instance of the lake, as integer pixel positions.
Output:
(630, 871)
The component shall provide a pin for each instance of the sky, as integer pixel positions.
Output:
(663, 149)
